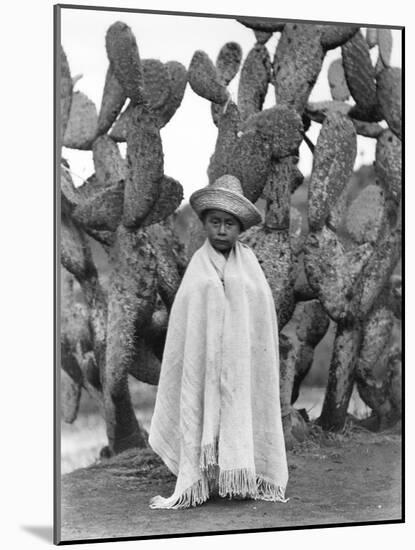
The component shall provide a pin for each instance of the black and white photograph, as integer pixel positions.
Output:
(228, 273)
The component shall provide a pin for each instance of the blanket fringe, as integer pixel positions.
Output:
(240, 481)
(266, 490)
(194, 495)
(209, 454)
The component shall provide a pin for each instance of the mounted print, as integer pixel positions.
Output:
(228, 274)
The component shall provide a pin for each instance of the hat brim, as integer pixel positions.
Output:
(228, 201)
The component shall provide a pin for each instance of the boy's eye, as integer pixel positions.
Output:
(226, 223)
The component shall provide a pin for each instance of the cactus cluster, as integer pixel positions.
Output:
(125, 206)
(340, 271)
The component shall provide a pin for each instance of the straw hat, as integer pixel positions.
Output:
(226, 194)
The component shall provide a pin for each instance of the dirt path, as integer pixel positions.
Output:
(355, 479)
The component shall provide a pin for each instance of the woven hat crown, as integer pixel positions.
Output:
(226, 194)
(231, 183)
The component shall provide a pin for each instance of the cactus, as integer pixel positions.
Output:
(333, 272)
(333, 36)
(124, 57)
(228, 124)
(204, 79)
(118, 206)
(366, 215)
(263, 25)
(253, 83)
(250, 162)
(178, 80)
(82, 124)
(297, 64)
(145, 161)
(389, 87)
(318, 111)
(337, 81)
(66, 88)
(382, 391)
(283, 179)
(74, 332)
(177, 75)
(360, 77)
(371, 36)
(334, 267)
(388, 163)
(227, 66)
(113, 99)
(373, 224)
(132, 294)
(228, 61)
(332, 166)
(384, 40)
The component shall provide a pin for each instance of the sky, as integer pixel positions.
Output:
(189, 137)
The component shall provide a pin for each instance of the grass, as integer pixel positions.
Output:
(82, 440)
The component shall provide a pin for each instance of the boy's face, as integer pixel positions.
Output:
(222, 229)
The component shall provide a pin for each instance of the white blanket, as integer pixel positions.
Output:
(217, 417)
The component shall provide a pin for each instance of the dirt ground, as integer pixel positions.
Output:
(343, 478)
